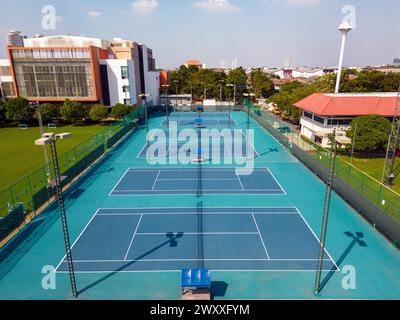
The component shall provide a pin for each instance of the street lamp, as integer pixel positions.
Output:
(344, 28)
(144, 96)
(50, 138)
(166, 86)
(220, 90)
(205, 90)
(234, 86)
(35, 106)
(176, 91)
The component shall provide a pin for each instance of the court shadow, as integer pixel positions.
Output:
(218, 289)
(172, 238)
(356, 239)
(75, 194)
(270, 150)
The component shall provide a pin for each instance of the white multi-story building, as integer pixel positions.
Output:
(6, 81)
(120, 82)
(322, 113)
(90, 70)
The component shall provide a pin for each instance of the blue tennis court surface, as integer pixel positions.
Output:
(149, 181)
(162, 239)
(189, 150)
(208, 119)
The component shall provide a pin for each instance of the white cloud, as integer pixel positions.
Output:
(216, 5)
(144, 6)
(94, 14)
(296, 2)
(302, 2)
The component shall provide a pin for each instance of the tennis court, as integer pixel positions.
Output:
(160, 239)
(151, 181)
(134, 225)
(211, 151)
(214, 119)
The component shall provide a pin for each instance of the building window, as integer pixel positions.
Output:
(124, 72)
(318, 139)
(127, 101)
(307, 114)
(319, 119)
(125, 89)
(339, 122)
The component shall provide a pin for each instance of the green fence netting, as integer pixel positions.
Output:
(35, 189)
(380, 195)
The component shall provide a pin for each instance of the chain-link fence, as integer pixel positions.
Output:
(37, 188)
(370, 189)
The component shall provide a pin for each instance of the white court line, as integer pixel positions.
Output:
(120, 179)
(319, 242)
(140, 152)
(192, 259)
(177, 190)
(80, 234)
(261, 238)
(284, 192)
(195, 233)
(180, 270)
(193, 213)
(133, 237)
(184, 179)
(169, 169)
(240, 181)
(155, 181)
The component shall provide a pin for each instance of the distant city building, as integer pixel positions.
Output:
(396, 62)
(287, 63)
(84, 69)
(6, 80)
(195, 63)
(323, 112)
(15, 38)
(300, 72)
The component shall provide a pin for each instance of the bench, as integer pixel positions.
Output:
(23, 126)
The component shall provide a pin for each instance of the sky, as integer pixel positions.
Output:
(255, 32)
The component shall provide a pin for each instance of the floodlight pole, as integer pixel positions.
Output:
(51, 139)
(249, 95)
(220, 90)
(35, 106)
(325, 215)
(166, 102)
(144, 97)
(344, 28)
(353, 143)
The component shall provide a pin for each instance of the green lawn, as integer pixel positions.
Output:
(19, 155)
(373, 167)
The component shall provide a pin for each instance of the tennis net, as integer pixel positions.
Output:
(199, 211)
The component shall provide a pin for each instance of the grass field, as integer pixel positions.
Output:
(373, 167)
(20, 156)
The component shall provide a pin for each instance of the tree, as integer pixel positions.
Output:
(289, 94)
(262, 84)
(238, 77)
(2, 111)
(18, 109)
(372, 132)
(119, 110)
(98, 112)
(49, 111)
(73, 111)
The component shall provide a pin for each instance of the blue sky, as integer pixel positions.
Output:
(256, 32)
